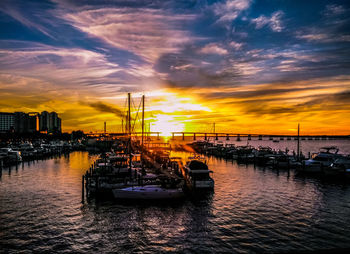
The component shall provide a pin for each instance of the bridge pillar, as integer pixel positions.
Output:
(238, 137)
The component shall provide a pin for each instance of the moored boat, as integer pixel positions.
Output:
(149, 192)
(321, 160)
(340, 167)
(197, 175)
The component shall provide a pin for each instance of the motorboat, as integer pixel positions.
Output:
(263, 154)
(283, 161)
(340, 167)
(197, 175)
(149, 192)
(321, 160)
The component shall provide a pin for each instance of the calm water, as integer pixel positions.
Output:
(251, 210)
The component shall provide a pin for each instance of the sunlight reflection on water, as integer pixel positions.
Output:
(252, 210)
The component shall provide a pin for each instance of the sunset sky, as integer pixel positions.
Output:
(250, 66)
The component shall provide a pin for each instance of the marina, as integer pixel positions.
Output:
(304, 213)
(146, 127)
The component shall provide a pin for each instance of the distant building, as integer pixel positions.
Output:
(21, 122)
(7, 122)
(49, 122)
(33, 121)
(44, 121)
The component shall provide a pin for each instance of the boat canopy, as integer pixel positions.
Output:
(197, 165)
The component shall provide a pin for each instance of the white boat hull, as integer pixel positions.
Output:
(149, 192)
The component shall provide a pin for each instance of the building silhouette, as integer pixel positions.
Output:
(20, 122)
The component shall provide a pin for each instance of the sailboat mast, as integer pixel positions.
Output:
(129, 115)
(143, 118)
(123, 126)
(129, 131)
(143, 127)
(298, 146)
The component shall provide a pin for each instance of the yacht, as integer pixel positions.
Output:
(197, 175)
(340, 167)
(321, 160)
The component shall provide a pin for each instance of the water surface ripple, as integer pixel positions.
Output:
(252, 210)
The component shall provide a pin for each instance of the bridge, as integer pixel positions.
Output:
(123, 134)
(239, 136)
(217, 135)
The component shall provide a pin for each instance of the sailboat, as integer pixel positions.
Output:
(147, 192)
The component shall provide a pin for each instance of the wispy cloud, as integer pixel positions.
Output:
(26, 19)
(236, 45)
(147, 33)
(316, 35)
(213, 48)
(65, 66)
(230, 9)
(274, 22)
(332, 10)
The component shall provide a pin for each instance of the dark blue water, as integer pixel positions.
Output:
(252, 210)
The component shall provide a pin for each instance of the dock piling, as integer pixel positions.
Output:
(82, 190)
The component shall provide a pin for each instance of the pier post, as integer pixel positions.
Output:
(96, 184)
(227, 136)
(82, 190)
(238, 137)
(205, 136)
(183, 136)
(158, 136)
(260, 137)
(249, 137)
(216, 136)
(173, 135)
(194, 136)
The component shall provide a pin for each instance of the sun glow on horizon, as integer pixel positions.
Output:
(166, 124)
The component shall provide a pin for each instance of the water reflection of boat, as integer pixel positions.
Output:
(197, 175)
(148, 192)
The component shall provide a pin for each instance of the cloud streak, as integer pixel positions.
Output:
(103, 107)
(274, 22)
(147, 33)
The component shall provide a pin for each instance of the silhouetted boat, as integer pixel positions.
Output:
(323, 159)
(149, 192)
(197, 175)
